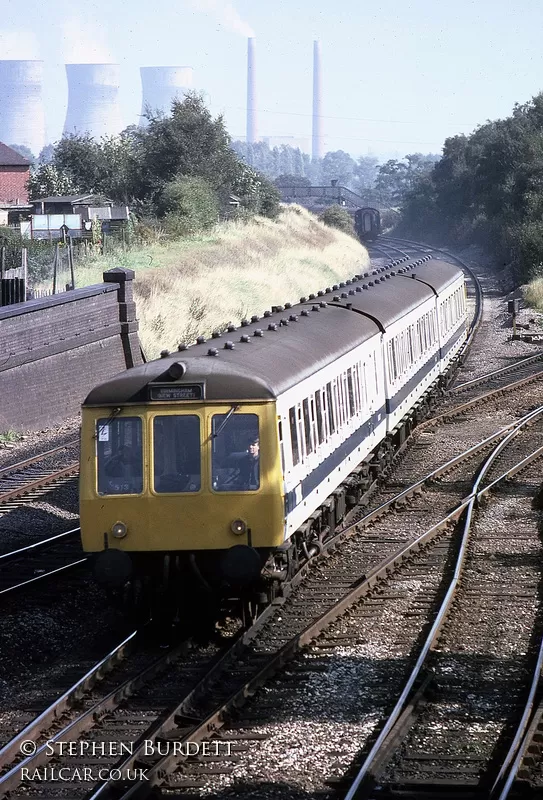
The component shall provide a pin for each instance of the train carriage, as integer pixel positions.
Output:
(235, 457)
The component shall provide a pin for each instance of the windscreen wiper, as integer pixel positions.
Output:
(224, 423)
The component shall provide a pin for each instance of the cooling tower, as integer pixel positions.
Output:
(22, 119)
(160, 86)
(317, 148)
(251, 92)
(93, 100)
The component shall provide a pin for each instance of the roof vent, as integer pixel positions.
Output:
(277, 309)
(255, 318)
(328, 290)
(323, 305)
(335, 287)
(315, 308)
(311, 297)
(341, 285)
(366, 275)
(244, 323)
(284, 321)
(293, 318)
(213, 351)
(344, 294)
(320, 294)
(200, 339)
(348, 283)
(245, 339)
(351, 291)
(365, 286)
(181, 346)
(370, 283)
(215, 335)
(258, 332)
(336, 298)
(267, 313)
(164, 353)
(288, 305)
(304, 313)
(272, 326)
(387, 276)
(177, 370)
(229, 345)
(349, 306)
(358, 289)
(414, 275)
(303, 299)
(231, 328)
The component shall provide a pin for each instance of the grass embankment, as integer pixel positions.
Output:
(533, 294)
(194, 286)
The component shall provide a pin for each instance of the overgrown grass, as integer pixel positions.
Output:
(196, 285)
(533, 294)
(9, 437)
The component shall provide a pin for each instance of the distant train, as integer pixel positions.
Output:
(367, 223)
(222, 467)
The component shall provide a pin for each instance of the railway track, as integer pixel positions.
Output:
(40, 561)
(353, 554)
(29, 479)
(346, 568)
(459, 728)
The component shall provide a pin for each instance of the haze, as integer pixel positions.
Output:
(397, 77)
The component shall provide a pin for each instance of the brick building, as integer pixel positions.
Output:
(14, 174)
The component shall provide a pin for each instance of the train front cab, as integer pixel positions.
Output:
(166, 484)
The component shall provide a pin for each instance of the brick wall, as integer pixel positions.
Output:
(13, 184)
(54, 350)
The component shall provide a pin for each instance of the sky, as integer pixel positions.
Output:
(398, 77)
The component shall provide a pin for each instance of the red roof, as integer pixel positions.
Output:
(11, 158)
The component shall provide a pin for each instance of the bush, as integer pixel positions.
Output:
(188, 205)
(338, 217)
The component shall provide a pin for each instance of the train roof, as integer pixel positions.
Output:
(269, 355)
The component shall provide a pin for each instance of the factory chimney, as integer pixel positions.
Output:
(251, 92)
(22, 119)
(93, 100)
(317, 144)
(161, 86)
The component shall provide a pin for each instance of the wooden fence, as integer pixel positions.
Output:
(13, 280)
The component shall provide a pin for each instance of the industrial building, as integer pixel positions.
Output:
(22, 118)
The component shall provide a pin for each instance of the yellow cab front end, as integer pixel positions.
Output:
(178, 482)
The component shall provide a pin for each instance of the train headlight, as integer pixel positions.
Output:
(119, 530)
(238, 526)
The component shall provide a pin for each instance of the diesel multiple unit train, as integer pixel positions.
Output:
(367, 224)
(222, 466)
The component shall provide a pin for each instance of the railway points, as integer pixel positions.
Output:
(366, 554)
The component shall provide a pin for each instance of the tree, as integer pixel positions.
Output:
(338, 165)
(364, 174)
(47, 181)
(24, 151)
(291, 180)
(46, 154)
(189, 142)
(189, 204)
(256, 192)
(337, 217)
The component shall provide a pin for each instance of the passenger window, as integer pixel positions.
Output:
(176, 453)
(235, 452)
(307, 428)
(119, 450)
(281, 445)
(330, 404)
(293, 436)
(350, 392)
(320, 422)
